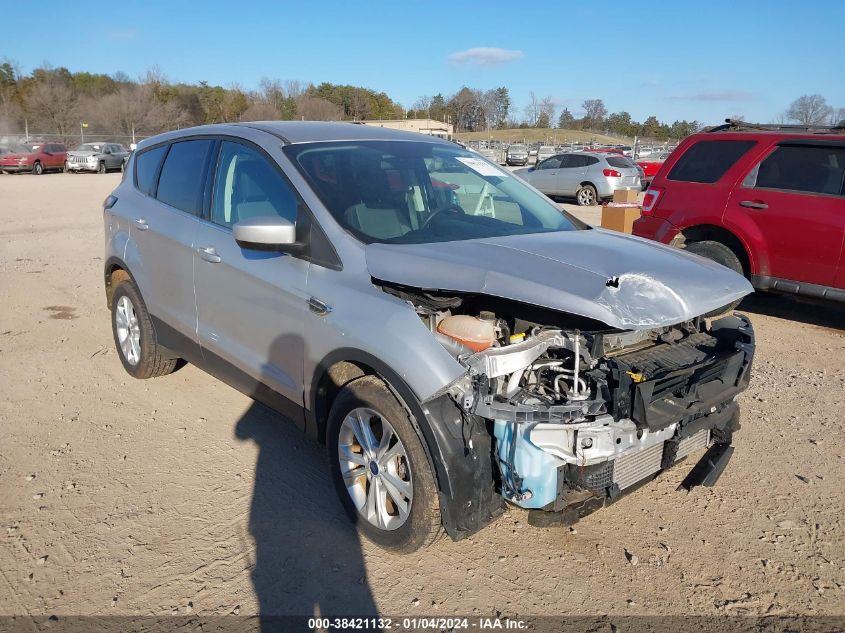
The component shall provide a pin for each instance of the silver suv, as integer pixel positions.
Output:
(455, 339)
(588, 177)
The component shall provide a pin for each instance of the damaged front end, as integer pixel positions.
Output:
(579, 413)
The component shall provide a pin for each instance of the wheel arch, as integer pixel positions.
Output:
(345, 365)
(115, 271)
(701, 232)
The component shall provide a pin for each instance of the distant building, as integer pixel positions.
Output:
(423, 126)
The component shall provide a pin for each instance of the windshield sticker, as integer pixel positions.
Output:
(482, 167)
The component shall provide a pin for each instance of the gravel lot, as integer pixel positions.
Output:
(179, 495)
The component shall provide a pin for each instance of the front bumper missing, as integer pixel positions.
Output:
(584, 489)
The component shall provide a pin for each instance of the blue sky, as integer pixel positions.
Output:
(676, 60)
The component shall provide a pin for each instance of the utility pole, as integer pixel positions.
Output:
(133, 134)
(26, 129)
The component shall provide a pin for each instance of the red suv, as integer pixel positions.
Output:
(35, 157)
(766, 201)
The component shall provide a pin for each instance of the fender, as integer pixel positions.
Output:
(459, 448)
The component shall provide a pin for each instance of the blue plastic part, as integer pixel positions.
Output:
(537, 468)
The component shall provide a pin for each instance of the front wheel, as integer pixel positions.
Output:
(102, 168)
(380, 468)
(586, 196)
(37, 168)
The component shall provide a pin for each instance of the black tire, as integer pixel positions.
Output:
(721, 254)
(154, 360)
(101, 169)
(423, 525)
(586, 196)
(37, 168)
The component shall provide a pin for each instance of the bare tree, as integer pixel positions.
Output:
(838, 117)
(52, 106)
(135, 108)
(260, 111)
(809, 110)
(317, 109)
(547, 110)
(594, 112)
(532, 110)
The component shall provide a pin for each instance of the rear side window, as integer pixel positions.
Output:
(805, 169)
(622, 162)
(707, 161)
(183, 175)
(146, 167)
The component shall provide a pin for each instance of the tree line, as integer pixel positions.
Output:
(55, 101)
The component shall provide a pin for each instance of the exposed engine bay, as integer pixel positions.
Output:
(580, 412)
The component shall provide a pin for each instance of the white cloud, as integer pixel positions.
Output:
(485, 56)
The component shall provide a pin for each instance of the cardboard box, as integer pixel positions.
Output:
(625, 195)
(619, 216)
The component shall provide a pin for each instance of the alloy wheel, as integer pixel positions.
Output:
(128, 330)
(375, 469)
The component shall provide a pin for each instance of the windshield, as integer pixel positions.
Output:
(401, 192)
(88, 147)
(517, 148)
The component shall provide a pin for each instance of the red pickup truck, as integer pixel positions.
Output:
(765, 200)
(34, 157)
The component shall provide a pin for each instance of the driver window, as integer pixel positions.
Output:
(550, 163)
(246, 186)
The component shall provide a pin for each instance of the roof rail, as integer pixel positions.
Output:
(732, 125)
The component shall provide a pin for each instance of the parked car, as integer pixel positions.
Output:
(544, 152)
(99, 157)
(517, 155)
(588, 177)
(454, 345)
(36, 158)
(766, 201)
(651, 165)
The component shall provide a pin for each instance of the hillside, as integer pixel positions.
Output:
(530, 135)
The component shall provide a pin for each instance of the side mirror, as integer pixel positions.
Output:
(266, 233)
(530, 169)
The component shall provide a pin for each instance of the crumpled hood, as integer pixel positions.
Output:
(621, 280)
(83, 153)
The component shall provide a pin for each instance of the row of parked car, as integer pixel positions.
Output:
(41, 157)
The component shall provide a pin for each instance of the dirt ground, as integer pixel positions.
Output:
(179, 495)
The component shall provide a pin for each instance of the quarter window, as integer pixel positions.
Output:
(146, 167)
(182, 175)
(801, 168)
(248, 186)
(707, 161)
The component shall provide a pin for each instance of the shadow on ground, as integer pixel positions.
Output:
(308, 558)
(824, 314)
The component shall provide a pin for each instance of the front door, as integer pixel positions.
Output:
(251, 304)
(794, 197)
(545, 175)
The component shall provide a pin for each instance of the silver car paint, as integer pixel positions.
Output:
(569, 271)
(262, 302)
(566, 181)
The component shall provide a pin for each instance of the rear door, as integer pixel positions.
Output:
(794, 198)
(251, 304)
(572, 173)
(162, 226)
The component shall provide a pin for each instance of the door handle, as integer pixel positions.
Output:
(318, 307)
(209, 254)
(752, 204)
(141, 223)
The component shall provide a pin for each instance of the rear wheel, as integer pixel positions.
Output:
(721, 254)
(134, 336)
(37, 168)
(586, 196)
(380, 468)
